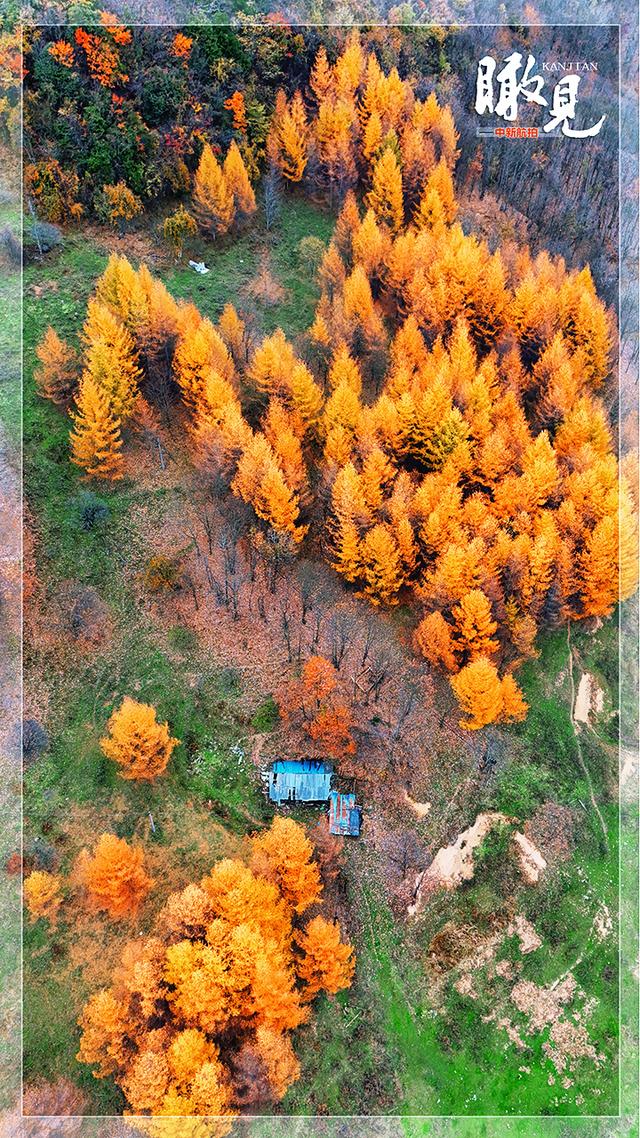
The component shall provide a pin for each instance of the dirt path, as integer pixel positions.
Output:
(577, 723)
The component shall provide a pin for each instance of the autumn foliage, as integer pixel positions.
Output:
(114, 877)
(95, 439)
(136, 741)
(315, 702)
(42, 895)
(222, 194)
(442, 434)
(216, 990)
(57, 375)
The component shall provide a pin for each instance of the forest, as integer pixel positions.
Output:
(322, 461)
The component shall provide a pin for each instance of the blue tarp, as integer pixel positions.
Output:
(299, 780)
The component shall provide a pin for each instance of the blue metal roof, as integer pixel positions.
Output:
(299, 780)
(344, 815)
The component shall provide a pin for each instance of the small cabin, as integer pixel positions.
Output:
(344, 815)
(299, 780)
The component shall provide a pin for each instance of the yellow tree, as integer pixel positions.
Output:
(478, 690)
(260, 482)
(440, 182)
(95, 438)
(371, 244)
(381, 565)
(200, 351)
(57, 376)
(283, 855)
(42, 893)
(283, 429)
(136, 741)
(213, 200)
(484, 697)
(237, 180)
(385, 197)
(272, 364)
(321, 80)
(433, 638)
(110, 358)
(289, 138)
(234, 333)
(474, 624)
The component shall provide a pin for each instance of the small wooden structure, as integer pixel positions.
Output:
(344, 815)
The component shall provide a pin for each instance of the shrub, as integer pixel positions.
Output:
(182, 639)
(266, 716)
(10, 247)
(178, 228)
(117, 204)
(90, 510)
(521, 788)
(310, 252)
(161, 574)
(53, 189)
(34, 741)
(40, 237)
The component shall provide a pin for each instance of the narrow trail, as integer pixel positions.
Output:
(577, 729)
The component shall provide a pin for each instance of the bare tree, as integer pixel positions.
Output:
(272, 196)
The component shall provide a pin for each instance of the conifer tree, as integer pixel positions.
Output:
(95, 438)
(136, 741)
(111, 359)
(382, 566)
(289, 138)
(213, 200)
(238, 183)
(479, 692)
(322, 79)
(385, 197)
(327, 962)
(433, 638)
(114, 877)
(474, 624)
(57, 376)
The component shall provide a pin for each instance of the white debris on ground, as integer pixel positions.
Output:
(199, 267)
(527, 935)
(602, 923)
(421, 809)
(465, 986)
(454, 864)
(542, 1006)
(589, 699)
(530, 860)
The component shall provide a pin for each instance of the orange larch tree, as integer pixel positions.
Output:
(218, 987)
(327, 962)
(283, 855)
(237, 180)
(110, 358)
(289, 137)
(385, 197)
(114, 877)
(57, 376)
